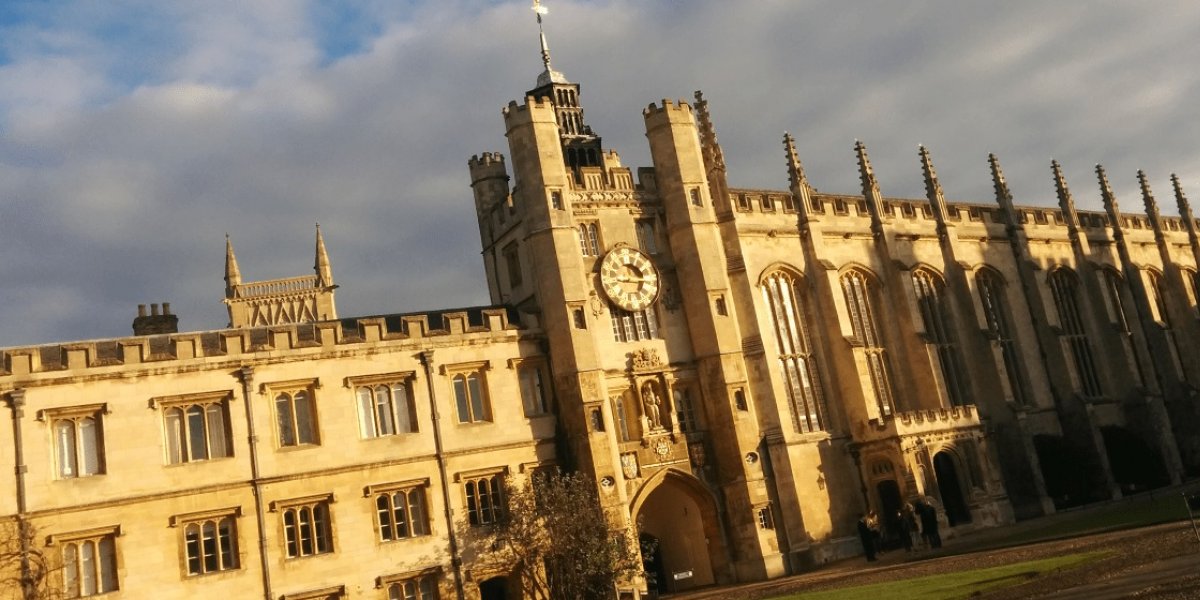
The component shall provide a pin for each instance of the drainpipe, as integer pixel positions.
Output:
(455, 561)
(247, 374)
(16, 401)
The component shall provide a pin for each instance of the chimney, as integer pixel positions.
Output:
(155, 323)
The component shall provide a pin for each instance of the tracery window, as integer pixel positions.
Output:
(860, 292)
(1065, 288)
(995, 310)
(685, 410)
(1163, 318)
(385, 409)
(197, 430)
(633, 326)
(210, 543)
(533, 395)
(470, 398)
(89, 563)
(797, 364)
(589, 239)
(484, 500)
(646, 238)
(422, 587)
(78, 441)
(939, 326)
(306, 528)
(297, 418)
(401, 513)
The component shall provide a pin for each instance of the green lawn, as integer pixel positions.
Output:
(952, 585)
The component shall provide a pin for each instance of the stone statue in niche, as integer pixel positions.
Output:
(652, 405)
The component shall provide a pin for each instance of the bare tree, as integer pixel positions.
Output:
(559, 542)
(26, 569)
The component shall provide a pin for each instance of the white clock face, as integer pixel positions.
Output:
(629, 279)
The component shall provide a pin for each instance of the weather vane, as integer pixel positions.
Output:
(541, 10)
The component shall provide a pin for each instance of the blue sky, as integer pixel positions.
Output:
(135, 134)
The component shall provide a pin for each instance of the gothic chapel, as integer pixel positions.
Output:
(742, 372)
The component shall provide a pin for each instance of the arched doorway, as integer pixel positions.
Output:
(495, 588)
(676, 510)
(1136, 467)
(890, 502)
(946, 471)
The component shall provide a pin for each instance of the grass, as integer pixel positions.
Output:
(962, 584)
(1139, 511)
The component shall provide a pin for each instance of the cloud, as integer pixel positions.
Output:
(134, 134)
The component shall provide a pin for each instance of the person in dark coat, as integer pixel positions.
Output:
(902, 519)
(866, 537)
(929, 525)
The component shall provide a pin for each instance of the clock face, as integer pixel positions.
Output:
(629, 279)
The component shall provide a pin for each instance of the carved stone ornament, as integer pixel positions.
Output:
(596, 304)
(662, 448)
(629, 465)
(646, 358)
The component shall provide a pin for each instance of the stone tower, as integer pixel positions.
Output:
(304, 299)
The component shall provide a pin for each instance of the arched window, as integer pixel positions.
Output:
(1065, 288)
(589, 239)
(1158, 303)
(996, 311)
(797, 364)
(385, 409)
(1193, 289)
(939, 326)
(470, 398)
(1114, 287)
(860, 294)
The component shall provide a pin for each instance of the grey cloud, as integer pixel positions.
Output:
(114, 199)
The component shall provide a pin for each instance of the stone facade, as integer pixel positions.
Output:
(743, 373)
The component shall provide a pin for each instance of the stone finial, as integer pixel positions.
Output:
(233, 275)
(1065, 202)
(933, 189)
(1109, 199)
(322, 267)
(1003, 196)
(1185, 209)
(798, 181)
(870, 186)
(1150, 203)
(714, 157)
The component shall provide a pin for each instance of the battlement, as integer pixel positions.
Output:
(514, 109)
(486, 159)
(489, 165)
(184, 349)
(668, 107)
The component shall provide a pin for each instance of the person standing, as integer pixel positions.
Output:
(864, 535)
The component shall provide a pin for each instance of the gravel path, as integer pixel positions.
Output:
(1158, 562)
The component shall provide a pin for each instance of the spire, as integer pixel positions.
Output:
(1150, 203)
(233, 275)
(1065, 202)
(801, 192)
(322, 266)
(1003, 196)
(933, 189)
(714, 158)
(870, 187)
(549, 75)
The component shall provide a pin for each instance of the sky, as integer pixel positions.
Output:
(135, 134)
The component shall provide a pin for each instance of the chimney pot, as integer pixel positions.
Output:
(141, 310)
(166, 308)
(154, 310)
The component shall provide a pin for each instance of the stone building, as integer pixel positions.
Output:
(743, 372)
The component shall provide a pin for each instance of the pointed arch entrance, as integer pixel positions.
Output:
(945, 468)
(678, 512)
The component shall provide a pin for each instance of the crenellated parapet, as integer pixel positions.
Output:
(924, 422)
(115, 357)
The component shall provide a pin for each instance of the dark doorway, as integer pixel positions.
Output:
(952, 495)
(652, 564)
(1065, 470)
(1136, 467)
(494, 589)
(890, 502)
